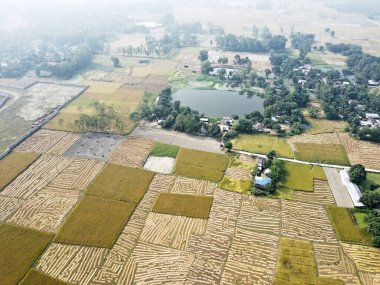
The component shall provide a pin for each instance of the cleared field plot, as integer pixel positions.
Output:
(191, 206)
(46, 210)
(124, 94)
(333, 262)
(252, 259)
(215, 243)
(89, 224)
(321, 195)
(296, 264)
(151, 84)
(236, 185)
(361, 152)
(37, 176)
(35, 277)
(160, 164)
(13, 164)
(366, 258)
(95, 146)
(70, 263)
(162, 183)
(8, 206)
(101, 87)
(161, 264)
(323, 153)
(306, 221)
(300, 176)
(260, 214)
(242, 161)
(166, 150)
(183, 185)
(320, 126)
(132, 152)
(238, 173)
(200, 164)
(172, 231)
(19, 249)
(345, 228)
(369, 278)
(324, 138)
(121, 183)
(263, 144)
(49, 142)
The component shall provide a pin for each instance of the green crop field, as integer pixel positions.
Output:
(296, 264)
(198, 172)
(192, 206)
(323, 153)
(19, 249)
(13, 164)
(260, 143)
(200, 164)
(164, 150)
(203, 159)
(236, 185)
(300, 176)
(96, 222)
(35, 277)
(344, 227)
(121, 183)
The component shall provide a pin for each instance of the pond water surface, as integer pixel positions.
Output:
(219, 103)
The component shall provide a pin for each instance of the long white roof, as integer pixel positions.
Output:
(352, 188)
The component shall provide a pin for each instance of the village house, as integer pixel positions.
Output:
(371, 121)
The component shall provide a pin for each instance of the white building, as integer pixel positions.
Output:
(352, 188)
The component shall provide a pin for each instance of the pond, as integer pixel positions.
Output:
(219, 103)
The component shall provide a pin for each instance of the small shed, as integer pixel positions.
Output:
(262, 182)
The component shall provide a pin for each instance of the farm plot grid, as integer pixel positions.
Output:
(239, 242)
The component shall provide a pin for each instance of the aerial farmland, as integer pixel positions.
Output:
(107, 177)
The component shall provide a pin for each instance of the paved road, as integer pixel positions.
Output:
(177, 138)
(341, 195)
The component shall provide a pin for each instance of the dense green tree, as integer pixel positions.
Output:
(357, 173)
(203, 55)
(373, 221)
(371, 199)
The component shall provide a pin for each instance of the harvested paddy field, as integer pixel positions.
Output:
(238, 177)
(132, 152)
(175, 229)
(361, 152)
(262, 144)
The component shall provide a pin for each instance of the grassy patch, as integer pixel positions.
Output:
(183, 205)
(121, 183)
(359, 219)
(200, 164)
(13, 164)
(198, 172)
(260, 143)
(322, 153)
(284, 193)
(300, 176)
(372, 178)
(296, 264)
(164, 150)
(96, 222)
(320, 126)
(20, 248)
(345, 228)
(236, 185)
(35, 277)
(316, 59)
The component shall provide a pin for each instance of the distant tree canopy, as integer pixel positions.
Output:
(232, 42)
(303, 42)
(344, 49)
(105, 118)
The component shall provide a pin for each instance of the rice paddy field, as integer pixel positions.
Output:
(185, 227)
(323, 153)
(262, 144)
